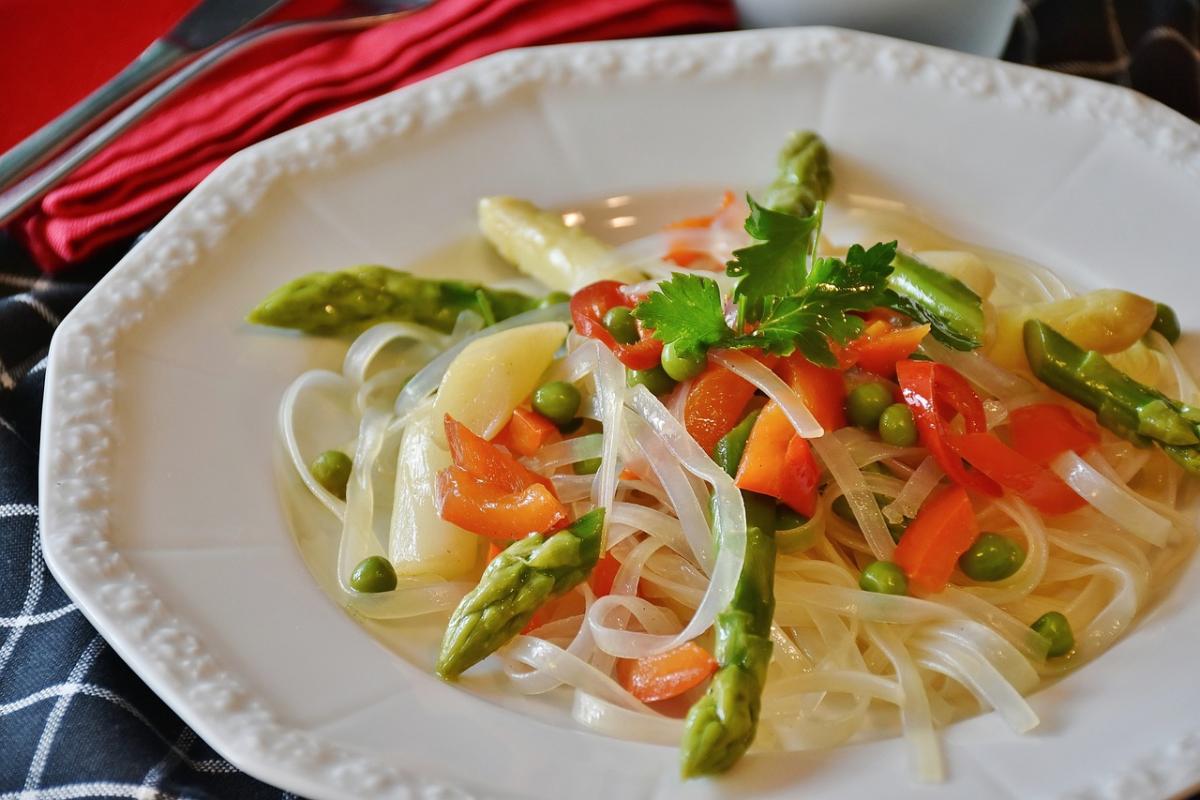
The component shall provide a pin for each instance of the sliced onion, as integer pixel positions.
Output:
(919, 486)
(425, 382)
(1112, 499)
(773, 386)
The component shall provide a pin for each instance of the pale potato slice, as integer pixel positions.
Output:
(493, 374)
(420, 541)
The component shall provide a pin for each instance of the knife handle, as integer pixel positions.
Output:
(155, 60)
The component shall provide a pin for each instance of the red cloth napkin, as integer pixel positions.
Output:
(134, 182)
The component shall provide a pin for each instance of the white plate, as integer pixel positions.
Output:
(159, 513)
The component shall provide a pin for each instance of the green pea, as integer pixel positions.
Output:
(896, 426)
(589, 466)
(621, 324)
(373, 574)
(332, 470)
(655, 379)
(1166, 322)
(557, 401)
(866, 403)
(727, 452)
(883, 577)
(992, 557)
(787, 519)
(553, 299)
(1056, 628)
(682, 365)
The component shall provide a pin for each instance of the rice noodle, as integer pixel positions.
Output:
(850, 480)
(918, 487)
(286, 421)
(1112, 499)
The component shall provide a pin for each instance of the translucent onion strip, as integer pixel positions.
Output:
(1112, 499)
(358, 539)
(773, 387)
(372, 341)
(918, 487)
(309, 381)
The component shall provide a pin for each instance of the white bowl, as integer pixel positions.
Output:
(972, 26)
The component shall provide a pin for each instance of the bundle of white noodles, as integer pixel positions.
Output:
(848, 664)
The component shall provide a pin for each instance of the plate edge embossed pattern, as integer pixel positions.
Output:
(78, 437)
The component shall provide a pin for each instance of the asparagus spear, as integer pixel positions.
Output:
(1124, 406)
(917, 289)
(804, 175)
(514, 586)
(339, 302)
(721, 725)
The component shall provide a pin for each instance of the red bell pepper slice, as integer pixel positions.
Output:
(716, 403)
(486, 462)
(943, 530)
(936, 393)
(666, 675)
(822, 389)
(779, 463)
(1028, 479)
(494, 511)
(1044, 431)
(588, 307)
(603, 575)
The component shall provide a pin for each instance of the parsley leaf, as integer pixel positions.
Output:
(808, 319)
(686, 310)
(778, 265)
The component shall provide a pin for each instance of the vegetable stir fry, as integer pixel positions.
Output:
(743, 483)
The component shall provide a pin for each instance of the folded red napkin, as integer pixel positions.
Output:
(134, 182)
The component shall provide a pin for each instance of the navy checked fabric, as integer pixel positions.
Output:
(74, 720)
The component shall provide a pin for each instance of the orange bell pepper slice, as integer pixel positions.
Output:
(666, 675)
(494, 511)
(779, 463)
(822, 389)
(527, 432)
(715, 405)
(943, 530)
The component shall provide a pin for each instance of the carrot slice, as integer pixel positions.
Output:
(666, 675)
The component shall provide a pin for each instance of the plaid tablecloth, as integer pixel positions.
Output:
(74, 720)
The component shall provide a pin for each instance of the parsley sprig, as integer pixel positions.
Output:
(797, 300)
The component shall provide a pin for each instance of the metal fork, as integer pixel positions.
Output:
(31, 189)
